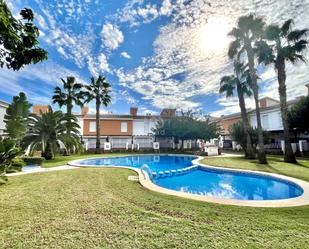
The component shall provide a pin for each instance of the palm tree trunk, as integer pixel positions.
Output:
(289, 156)
(249, 153)
(255, 89)
(98, 143)
(69, 113)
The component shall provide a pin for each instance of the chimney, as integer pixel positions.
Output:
(85, 110)
(133, 111)
(263, 103)
(38, 109)
(267, 102)
(168, 113)
(308, 88)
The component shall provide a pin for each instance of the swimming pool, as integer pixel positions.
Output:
(179, 173)
(155, 162)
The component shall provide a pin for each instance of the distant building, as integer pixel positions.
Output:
(3, 107)
(38, 109)
(121, 130)
(270, 118)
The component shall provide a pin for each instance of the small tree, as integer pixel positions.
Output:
(16, 117)
(298, 115)
(186, 126)
(8, 151)
(237, 133)
(18, 39)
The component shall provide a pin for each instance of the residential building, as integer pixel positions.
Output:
(122, 130)
(270, 117)
(3, 107)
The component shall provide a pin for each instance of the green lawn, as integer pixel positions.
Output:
(275, 165)
(100, 208)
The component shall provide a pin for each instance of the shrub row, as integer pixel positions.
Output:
(33, 160)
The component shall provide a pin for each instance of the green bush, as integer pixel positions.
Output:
(16, 165)
(8, 152)
(33, 160)
(237, 133)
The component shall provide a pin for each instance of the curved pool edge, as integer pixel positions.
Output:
(146, 182)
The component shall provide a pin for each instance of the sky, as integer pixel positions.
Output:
(156, 54)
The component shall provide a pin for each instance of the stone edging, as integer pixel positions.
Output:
(146, 182)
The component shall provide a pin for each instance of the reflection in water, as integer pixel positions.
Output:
(228, 185)
(155, 162)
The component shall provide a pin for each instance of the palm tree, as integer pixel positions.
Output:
(70, 95)
(98, 90)
(47, 131)
(249, 29)
(241, 82)
(283, 44)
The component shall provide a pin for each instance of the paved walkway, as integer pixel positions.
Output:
(66, 167)
(227, 155)
(38, 170)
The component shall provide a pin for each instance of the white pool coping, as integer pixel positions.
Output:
(146, 182)
(42, 170)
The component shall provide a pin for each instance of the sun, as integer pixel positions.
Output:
(214, 37)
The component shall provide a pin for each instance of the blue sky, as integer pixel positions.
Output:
(156, 54)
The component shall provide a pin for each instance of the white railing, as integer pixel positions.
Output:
(146, 168)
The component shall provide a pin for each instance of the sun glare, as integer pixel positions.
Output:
(214, 35)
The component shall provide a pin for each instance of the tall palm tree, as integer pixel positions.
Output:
(70, 95)
(240, 82)
(249, 29)
(98, 90)
(47, 131)
(283, 44)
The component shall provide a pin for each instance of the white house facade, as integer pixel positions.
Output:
(3, 107)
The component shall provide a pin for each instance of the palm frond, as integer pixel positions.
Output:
(272, 32)
(264, 52)
(295, 35)
(234, 48)
(285, 28)
(300, 46)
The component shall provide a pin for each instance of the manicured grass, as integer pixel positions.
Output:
(275, 165)
(100, 208)
(60, 160)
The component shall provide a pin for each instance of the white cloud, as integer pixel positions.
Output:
(112, 37)
(125, 55)
(181, 68)
(61, 50)
(48, 74)
(98, 66)
(166, 8)
(103, 65)
(41, 22)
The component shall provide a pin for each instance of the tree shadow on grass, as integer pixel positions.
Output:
(280, 160)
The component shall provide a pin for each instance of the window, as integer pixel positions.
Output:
(92, 126)
(124, 127)
(265, 123)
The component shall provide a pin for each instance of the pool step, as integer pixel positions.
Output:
(174, 172)
(133, 178)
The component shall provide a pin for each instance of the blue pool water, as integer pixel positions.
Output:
(224, 184)
(155, 162)
(203, 181)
